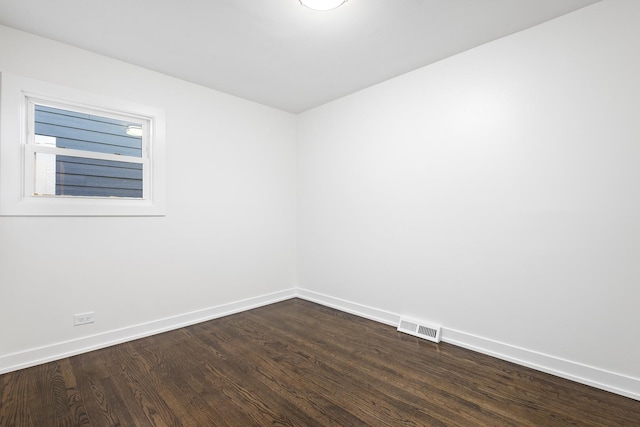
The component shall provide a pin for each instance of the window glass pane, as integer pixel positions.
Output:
(81, 131)
(79, 176)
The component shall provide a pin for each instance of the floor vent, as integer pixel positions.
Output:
(419, 329)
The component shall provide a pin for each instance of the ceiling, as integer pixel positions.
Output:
(276, 52)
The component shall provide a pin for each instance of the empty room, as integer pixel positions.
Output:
(319, 213)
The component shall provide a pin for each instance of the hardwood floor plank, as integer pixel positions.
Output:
(479, 378)
(106, 403)
(15, 409)
(174, 373)
(296, 363)
(75, 404)
(145, 388)
(392, 387)
(372, 361)
(301, 359)
(210, 390)
(287, 384)
(243, 393)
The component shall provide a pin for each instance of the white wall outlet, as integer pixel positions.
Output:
(84, 318)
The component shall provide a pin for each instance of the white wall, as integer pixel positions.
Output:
(227, 241)
(495, 192)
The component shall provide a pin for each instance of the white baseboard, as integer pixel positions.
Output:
(595, 377)
(36, 356)
(370, 313)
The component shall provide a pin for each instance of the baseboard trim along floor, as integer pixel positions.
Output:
(598, 378)
(44, 354)
(602, 379)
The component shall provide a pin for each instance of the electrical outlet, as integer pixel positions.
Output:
(84, 318)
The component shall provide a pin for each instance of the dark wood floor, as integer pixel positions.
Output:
(296, 363)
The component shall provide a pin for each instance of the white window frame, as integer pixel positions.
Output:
(31, 148)
(18, 95)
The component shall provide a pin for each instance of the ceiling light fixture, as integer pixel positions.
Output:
(322, 4)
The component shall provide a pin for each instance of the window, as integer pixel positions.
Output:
(65, 152)
(84, 154)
